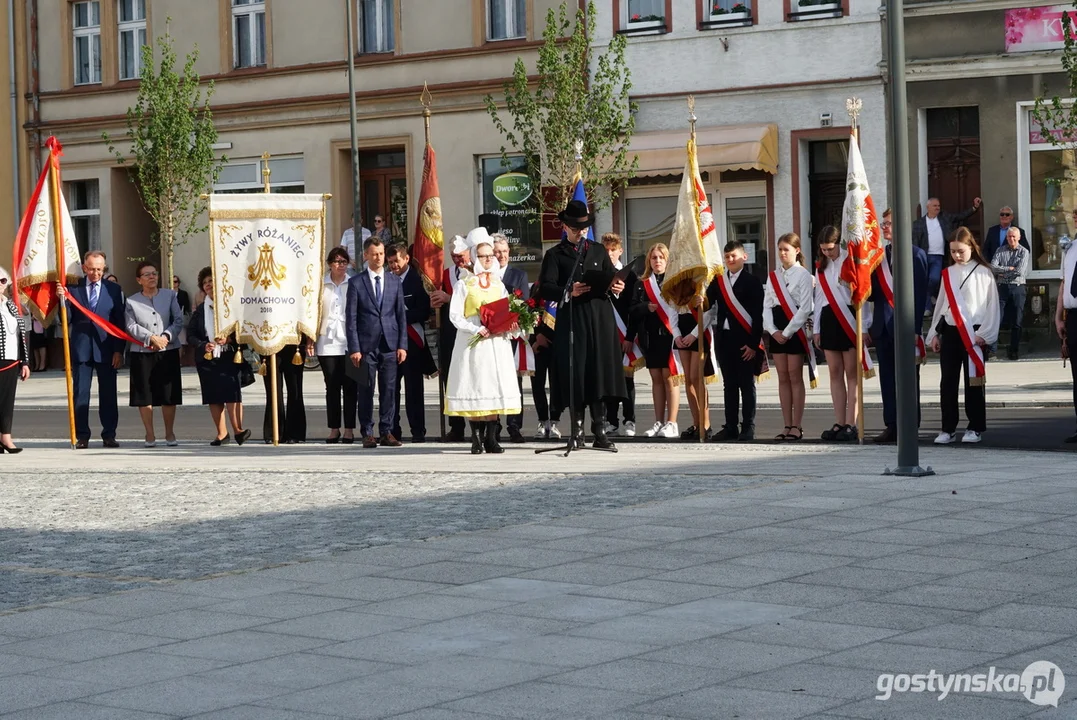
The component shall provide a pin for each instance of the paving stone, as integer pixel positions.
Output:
(650, 590)
(452, 572)
(340, 625)
(799, 594)
(242, 646)
(430, 607)
(658, 558)
(665, 533)
(528, 557)
(960, 636)
(792, 560)
(865, 578)
(282, 606)
(917, 562)
(727, 574)
(140, 603)
(927, 707)
(856, 548)
(83, 645)
(652, 630)
(588, 573)
(577, 608)
(729, 612)
(297, 670)
(888, 656)
(565, 651)
(468, 673)
(365, 697)
(1023, 582)
(514, 589)
(188, 624)
(798, 632)
(323, 571)
(51, 621)
(19, 692)
(714, 702)
(83, 711)
(372, 589)
(731, 658)
(257, 712)
(645, 677)
(1026, 616)
(186, 696)
(130, 669)
(813, 679)
(404, 647)
(885, 614)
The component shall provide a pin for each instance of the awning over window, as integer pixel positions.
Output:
(729, 147)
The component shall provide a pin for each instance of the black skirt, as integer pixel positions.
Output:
(656, 350)
(792, 346)
(155, 378)
(831, 334)
(219, 380)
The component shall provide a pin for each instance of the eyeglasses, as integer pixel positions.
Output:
(339, 262)
(379, 221)
(887, 223)
(1001, 214)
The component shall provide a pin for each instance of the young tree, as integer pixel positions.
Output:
(577, 97)
(1057, 116)
(171, 132)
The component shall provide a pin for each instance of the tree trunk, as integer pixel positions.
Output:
(166, 254)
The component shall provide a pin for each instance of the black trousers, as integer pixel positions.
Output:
(545, 366)
(9, 380)
(738, 383)
(517, 420)
(338, 383)
(628, 404)
(291, 414)
(1071, 344)
(886, 354)
(410, 375)
(954, 364)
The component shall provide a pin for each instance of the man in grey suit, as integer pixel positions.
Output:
(377, 341)
(514, 279)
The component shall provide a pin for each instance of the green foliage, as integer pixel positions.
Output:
(1058, 117)
(171, 135)
(544, 123)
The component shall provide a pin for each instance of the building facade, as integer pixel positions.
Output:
(975, 68)
(279, 70)
(770, 80)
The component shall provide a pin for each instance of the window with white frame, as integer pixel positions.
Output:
(643, 14)
(248, 33)
(131, 17)
(506, 19)
(815, 9)
(245, 176)
(727, 10)
(86, 26)
(84, 205)
(375, 26)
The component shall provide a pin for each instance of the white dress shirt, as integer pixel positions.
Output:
(380, 274)
(841, 295)
(976, 283)
(10, 351)
(936, 243)
(732, 283)
(1069, 266)
(799, 287)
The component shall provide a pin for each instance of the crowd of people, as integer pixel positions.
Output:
(600, 321)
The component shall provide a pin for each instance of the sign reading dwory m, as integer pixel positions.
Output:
(267, 267)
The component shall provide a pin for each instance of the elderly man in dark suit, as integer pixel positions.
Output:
(95, 351)
(419, 362)
(514, 279)
(931, 233)
(996, 236)
(377, 341)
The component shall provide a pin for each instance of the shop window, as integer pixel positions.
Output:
(648, 220)
(1053, 194)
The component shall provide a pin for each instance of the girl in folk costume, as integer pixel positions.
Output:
(656, 323)
(835, 332)
(964, 325)
(787, 305)
(482, 376)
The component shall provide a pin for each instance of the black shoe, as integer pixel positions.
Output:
(603, 442)
(708, 434)
(110, 443)
(889, 435)
(726, 434)
(1071, 439)
(847, 434)
(12, 449)
(332, 440)
(476, 437)
(515, 435)
(241, 437)
(490, 443)
(82, 444)
(747, 433)
(418, 438)
(1011, 354)
(832, 433)
(221, 441)
(692, 433)
(347, 440)
(454, 436)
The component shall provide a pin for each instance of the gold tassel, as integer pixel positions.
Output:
(297, 359)
(208, 356)
(262, 368)
(238, 357)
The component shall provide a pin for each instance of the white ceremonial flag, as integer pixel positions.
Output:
(267, 254)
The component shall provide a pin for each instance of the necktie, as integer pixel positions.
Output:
(377, 289)
(93, 297)
(1073, 283)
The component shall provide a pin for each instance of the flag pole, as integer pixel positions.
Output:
(273, 389)
(61, 278)
(854, 106)
(426, 99)
(701, 392)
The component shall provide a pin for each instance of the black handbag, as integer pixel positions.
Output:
(246, 372)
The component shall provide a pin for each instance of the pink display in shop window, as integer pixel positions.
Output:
(1038, 28)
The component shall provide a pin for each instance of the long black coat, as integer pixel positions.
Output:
(599, 375)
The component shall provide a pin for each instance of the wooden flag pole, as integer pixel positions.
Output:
(701, 391)
(274, 390)
(853, 106)
(426, 99)
(61, 279)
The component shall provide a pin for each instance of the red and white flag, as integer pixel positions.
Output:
(860, 231)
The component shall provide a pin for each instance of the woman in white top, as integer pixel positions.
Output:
(332, 349)
(831, 336)
(961, 335)
(14, 360)
(786, 346)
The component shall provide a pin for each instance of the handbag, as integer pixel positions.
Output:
(246, 372)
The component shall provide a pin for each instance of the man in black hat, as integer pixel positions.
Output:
(597, 375)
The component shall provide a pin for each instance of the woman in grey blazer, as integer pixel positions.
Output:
(154, 318)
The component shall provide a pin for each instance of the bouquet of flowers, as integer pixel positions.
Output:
(501, 316)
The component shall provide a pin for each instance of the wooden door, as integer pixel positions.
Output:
(953, 161)
(828, 168)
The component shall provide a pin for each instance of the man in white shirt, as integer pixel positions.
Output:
(931, 234)
(347, 241)
(1066, 311)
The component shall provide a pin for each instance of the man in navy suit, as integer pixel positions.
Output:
(419, 361)
(377, 341)
(882, 329)
(514, 279)
(996, 236)
(95, 351)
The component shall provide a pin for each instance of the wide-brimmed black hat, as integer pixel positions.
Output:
(575, 215)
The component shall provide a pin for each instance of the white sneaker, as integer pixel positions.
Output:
(608, 428)
(971, 436)
(669, 430)
(541, 431)
(628, 429)
(654, 430)
(945, 438)
(553, 432)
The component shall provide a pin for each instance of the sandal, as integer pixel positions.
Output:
(783, 436)
(795, 438)
(832, 433)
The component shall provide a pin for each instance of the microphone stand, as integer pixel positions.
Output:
(566, 300)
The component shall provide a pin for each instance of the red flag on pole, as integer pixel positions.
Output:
(429, 237)
(860, 230)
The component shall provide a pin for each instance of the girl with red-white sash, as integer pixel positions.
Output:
(788, 342)
(964, 325)
(656, 323)
(835, 333)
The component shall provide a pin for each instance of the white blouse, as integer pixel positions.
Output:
(841, 295)
(976, 283)
(10, 351)
(799, 286)
(332, 335)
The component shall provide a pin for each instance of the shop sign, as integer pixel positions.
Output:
(1037, 28)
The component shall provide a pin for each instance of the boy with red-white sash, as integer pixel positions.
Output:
(882, 327)
(736, 299)
(964, 326)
